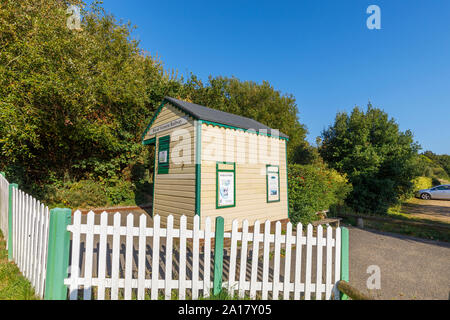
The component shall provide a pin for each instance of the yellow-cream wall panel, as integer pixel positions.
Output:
(175, 192)
(251, 153)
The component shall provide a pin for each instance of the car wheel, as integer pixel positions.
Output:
(425, 196)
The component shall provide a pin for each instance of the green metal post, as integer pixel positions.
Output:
(344, 259)
(10, 220)
(58, 254)
(218, 256)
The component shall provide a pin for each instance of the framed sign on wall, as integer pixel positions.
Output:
(225, 187)
(273, 183)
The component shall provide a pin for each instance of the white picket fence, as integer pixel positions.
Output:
(4, 203)
(30, 222)
(244, 269)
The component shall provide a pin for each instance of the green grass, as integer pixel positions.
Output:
(13, 285)
(414, 231)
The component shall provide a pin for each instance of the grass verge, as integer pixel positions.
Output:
(13, 285)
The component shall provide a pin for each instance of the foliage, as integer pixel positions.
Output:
(314, 188)
(433, 166)
(74, 103)
(421, 183)
(81, 194)
(249, 99)
(377, 157)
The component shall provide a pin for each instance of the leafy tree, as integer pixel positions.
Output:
(73, 103)
(376, 156)
(249, 99)
(435, 165)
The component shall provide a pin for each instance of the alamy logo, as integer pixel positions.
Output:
(74, 20)
(374, 281)
(374, 20)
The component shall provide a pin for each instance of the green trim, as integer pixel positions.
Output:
(204, 121)
(10, 220)
(2, 174)
(149, 141)
(198, 166)
(242, 129)
(267, 184)
(153, 120)
(164, 145)
(218, 256)
(344, 259)
(287, 181)
(154, 181)
(58, 254)
(217, 183)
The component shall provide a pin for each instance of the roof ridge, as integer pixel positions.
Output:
(206, 113)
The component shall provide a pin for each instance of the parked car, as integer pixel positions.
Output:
(439, 192)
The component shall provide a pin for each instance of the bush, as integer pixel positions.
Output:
(421, 183)
(314, 188)
(81, 194)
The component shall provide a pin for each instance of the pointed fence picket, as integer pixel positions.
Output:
(176, 260)
(29, 226)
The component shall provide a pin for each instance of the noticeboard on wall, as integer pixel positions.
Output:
(225, 187)
(273, 183)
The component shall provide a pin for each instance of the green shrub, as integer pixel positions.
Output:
(120, 192)
(314, 188)
(81, 194)
(421, 183)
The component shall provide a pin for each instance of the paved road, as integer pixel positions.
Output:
(411, 268)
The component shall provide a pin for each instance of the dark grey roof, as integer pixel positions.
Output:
(203, 113)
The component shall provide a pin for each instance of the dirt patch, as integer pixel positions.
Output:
(436, 210)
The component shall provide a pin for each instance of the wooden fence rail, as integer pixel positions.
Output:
(142, 260)
(243, 276)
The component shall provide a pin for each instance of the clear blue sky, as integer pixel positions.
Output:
(320, 51)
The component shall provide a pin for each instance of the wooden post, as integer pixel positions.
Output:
(218, 255)
(344, 259)
(10, 217)
(58, 254)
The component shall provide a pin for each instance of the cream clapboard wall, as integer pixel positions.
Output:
(220, 144)
(175, 192)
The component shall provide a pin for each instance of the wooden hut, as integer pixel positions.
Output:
(212, 163)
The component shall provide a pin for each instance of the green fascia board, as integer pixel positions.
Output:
(153, 120)
(149, 141)
(217, 183)
(236, 128)
(267, 184)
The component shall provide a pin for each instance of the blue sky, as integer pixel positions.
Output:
(320, 51)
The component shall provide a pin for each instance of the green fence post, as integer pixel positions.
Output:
(344, 259)
(10, 220)
(58, 254)
(218, 256)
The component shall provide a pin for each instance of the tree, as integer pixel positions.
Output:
(73, 103)
(249, 99)
(376, 156)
